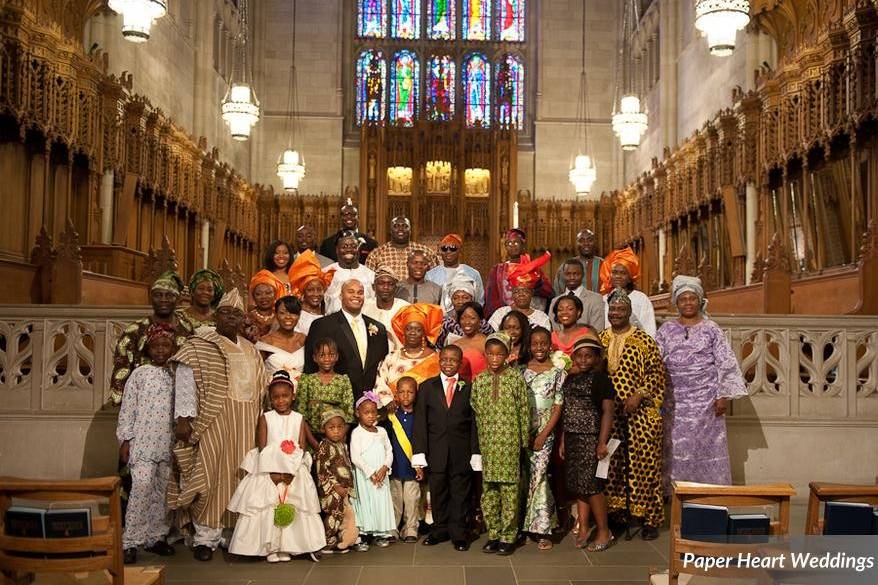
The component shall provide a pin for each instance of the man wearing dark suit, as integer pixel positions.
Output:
(447, 444)
(361, 340)
(350, 221)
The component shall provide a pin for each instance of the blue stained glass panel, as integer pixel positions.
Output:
(477, 91)
(405, 19)
(404, 78)
(371, 73)
(510, 92)
(372, 19)
(440, 88)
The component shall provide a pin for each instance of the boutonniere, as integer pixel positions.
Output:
(372, 329)
(560, 360)
(460, 384)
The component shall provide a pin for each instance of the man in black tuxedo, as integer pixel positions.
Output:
(361, 340)
(350, 221)
(447, 444)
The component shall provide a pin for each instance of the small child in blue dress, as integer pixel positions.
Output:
(145, 433)
(372, 457)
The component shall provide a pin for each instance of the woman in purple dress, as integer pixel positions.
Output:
(703, 375)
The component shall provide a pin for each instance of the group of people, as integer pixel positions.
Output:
(362, 392)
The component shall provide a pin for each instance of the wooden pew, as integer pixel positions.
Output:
(822, 492)
(104, 546)
(777, 495)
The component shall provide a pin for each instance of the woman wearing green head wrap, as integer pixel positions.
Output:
(205, 291)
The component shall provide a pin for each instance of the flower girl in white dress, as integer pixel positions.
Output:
(277, 504)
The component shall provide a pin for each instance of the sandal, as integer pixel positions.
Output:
(545, 544)
(601, 546)
(582, 541)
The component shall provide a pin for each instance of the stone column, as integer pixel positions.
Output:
(751, 214)
(106, 203)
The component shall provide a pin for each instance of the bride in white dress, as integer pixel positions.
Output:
(283, 347)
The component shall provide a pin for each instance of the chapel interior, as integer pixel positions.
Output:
(747, 159)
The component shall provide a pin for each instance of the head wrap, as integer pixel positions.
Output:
(385, 270)
(266, 277)
(305, 268)
(368, 396)
(587, 341)
(462, 282)
(232, 299)
(157, 330)
(213, 278)
(527, 273)
(330, 414)
(683, 283)
(169, 281)
(430, 316)
(516, 232)
(627, 258)
(619, 295)
(452, 239)
(502, 337)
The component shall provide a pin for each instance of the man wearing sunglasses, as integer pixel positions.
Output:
(449, 251)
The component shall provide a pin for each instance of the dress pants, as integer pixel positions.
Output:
(406, 496)
(449, 498)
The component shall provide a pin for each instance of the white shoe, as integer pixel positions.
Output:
(284, 557)
(273, 558)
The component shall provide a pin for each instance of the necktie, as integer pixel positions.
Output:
(360, 336)
(571, 294)
(449, 391)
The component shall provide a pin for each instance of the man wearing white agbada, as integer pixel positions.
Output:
(219, 386)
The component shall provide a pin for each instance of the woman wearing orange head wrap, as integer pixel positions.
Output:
(264, 289)
(308, 282)
(417, 326)
(621, 269)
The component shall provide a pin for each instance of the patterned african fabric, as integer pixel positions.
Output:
(581, 420)
(389, 256)
(223, 382)
(333, 465)
(642, 312)
(385, 317)
(701, 368)
(451, 330)
(498, 293)
(545, 393)
(640, 370)
(130, 351)
(195, 320)
(500, 404)
(396, 365)
(255, 325)
(442, 276)
(313, 398)
(500, 509)
(147, 414)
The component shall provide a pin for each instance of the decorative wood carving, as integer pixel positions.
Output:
(684, 263)
(161, 260)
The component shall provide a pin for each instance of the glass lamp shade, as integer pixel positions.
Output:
(137, 16)
(720, 21)
(290, 169)
(583, 174)
(240, 110)
(629, 123)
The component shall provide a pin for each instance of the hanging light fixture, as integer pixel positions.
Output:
(629, 122)
(291, 165)
(583, 174)
(138, 16)
(240, 108)
(720, 21)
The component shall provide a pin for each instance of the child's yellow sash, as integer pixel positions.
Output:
(399, 432)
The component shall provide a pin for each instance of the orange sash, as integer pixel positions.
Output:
(429, 368)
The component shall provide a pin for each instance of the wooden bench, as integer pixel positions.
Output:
(822, 492)
(103, 547)
(777, 495)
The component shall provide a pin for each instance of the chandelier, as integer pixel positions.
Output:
(291, 165)
(583, 174)
(720, 21)
(629, 122)
(240, 108)
(137, 16)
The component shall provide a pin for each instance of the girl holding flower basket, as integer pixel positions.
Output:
(277, 505)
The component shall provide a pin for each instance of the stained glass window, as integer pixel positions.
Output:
(477, 90)
(404, 76)
(510, 20)
(440, 88)
(510, 91)
(371, 73)
(405, 19)
(372, 19)
(476, 21)
(440, 19)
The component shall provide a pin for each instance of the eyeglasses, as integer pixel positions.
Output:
(448, 248)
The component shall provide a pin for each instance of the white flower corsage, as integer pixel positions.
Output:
(372, 329)
(561, 361)
(460, 384)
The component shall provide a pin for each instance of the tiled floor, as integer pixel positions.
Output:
(628, 562)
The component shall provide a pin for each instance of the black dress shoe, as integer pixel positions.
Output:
(506, 548)
(433, 539)
(161, 548)
(491, 546)
(202, 553)
(649, 532)
(130, 556)
(461, 545)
